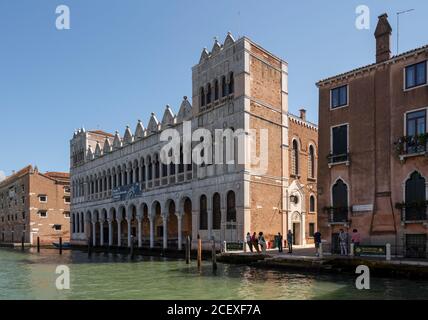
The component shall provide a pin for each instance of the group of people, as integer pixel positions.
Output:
(259, 242)
(343, 240)
(256, 242)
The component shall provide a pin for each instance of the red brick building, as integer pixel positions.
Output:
(302, 191)
(373, 165)
(35, 204)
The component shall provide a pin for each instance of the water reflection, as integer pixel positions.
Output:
(31, 275)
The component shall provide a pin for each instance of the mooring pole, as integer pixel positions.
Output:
(38, 244)
(199, 251)
(214, 257)
(60, 245)
(22, 241)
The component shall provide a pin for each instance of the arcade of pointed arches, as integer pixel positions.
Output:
(153, 223)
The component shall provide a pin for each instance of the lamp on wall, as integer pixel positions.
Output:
(294, 199)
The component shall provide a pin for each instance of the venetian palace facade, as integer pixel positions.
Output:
(121, 189)
(35, 204)
(373, 167)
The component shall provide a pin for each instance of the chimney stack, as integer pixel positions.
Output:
(303, 114)
(383, 39)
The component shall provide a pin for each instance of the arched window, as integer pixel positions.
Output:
(82, 223)
(223, 87)
(216, 212)
(137, 173)
(150, 165)
(119, 178)
(231, 207)
(311, 204)
(209, 93)
(216, 90)
(340, 201)
(181, 164)
(203, 213)
(76, 216)
(231, 83)
(295, 158)
(202, 96)
(415, 197)
(143, 171)
(74, 222)
(311, 168)
(157, 166)
(125, 177)
(164, 170)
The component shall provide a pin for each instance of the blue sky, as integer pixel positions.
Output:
(123, 59)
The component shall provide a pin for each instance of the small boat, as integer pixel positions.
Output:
(65, 245)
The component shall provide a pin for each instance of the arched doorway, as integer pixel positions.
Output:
(145, 228)
(172, 223)
(114, 226)
(123, 227)
(187, 219)
(158, 223)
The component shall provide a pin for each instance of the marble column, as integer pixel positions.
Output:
(152, 235)
(179, 230)
(129, 232)
(140, 240)
(165, 231)
(119, 235)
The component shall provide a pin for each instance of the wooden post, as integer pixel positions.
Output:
(60, 245)
(38, 244)
(22, 241)
(214, 257)
(187, 253)
(199, 251)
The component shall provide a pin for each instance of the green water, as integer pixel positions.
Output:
(30, 275)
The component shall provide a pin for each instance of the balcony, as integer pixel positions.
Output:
(413, 212)
(334, 159)
(409, 146)
(339, 215)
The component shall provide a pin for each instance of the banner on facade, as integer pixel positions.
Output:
(126, 192)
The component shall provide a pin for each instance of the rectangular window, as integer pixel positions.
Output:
(57, 227)
(311, 229)
(66, 189)
(43, 214)
(43, 198)
(339, 141)
(67, 199)
(415, 126)
(66, 214)
(339, 97)
(416, 75)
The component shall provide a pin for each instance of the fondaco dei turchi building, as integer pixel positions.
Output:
(121, 188)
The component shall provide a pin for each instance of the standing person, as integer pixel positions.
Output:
(356, 238)
(262, 242)
(249, 243)
(317, 239)
(279, 242)
(343, 242)
(290, 241)
(255, 242)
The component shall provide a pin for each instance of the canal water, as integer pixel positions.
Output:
(29, 275)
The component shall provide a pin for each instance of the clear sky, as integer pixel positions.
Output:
(123, 59)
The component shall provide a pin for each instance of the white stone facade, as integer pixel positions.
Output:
(162, 204)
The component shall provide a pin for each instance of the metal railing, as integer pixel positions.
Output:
(338, 215)
(338, 158)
